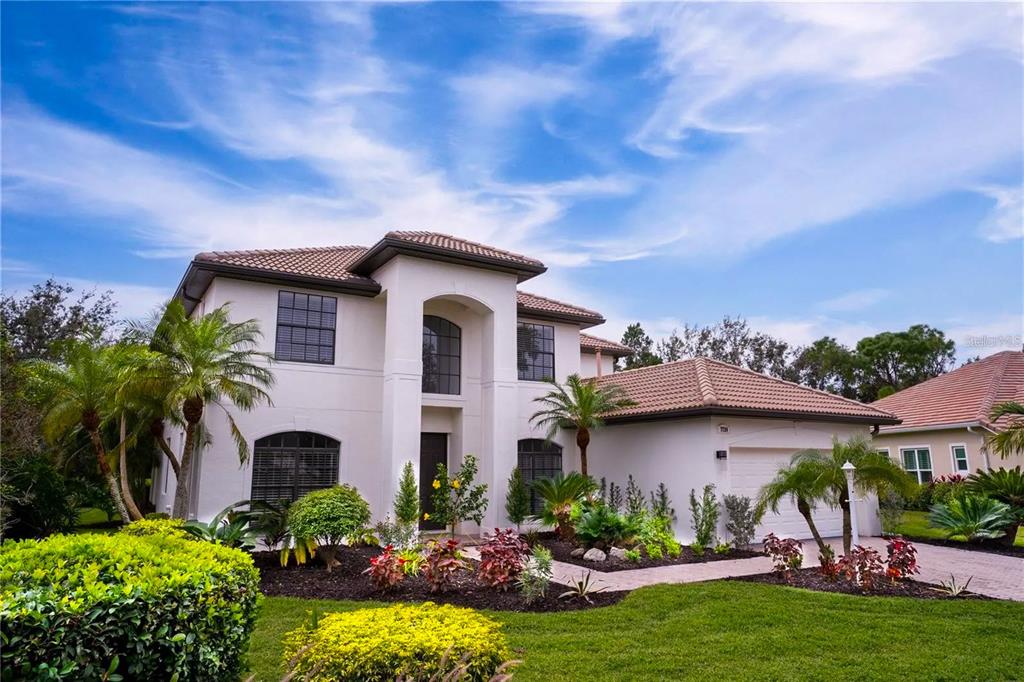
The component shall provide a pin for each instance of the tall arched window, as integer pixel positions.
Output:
(442, 356)
(286, 466)
(538, 458)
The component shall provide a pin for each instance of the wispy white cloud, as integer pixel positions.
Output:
(1006, 220)
(854, 300)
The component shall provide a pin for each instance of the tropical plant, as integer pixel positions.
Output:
(231, 527)
(270, 522)
(208, 360)
(601, 526)
(862, 566)
(559, 494)
(874, 472)
(952, 588)
(580, 405)
(328, 517)
(973, 517)
(582, 589)
(1005, 485)
(742, 518)
(35, 498)
(901, 559)
(656, 531)
(1009, 441)
(385, 569)
(407, 499)
(535, 576)
(501, 558)
(442, 561)
(704, 515)
(456, 498)
(412, 560)
(517, 499)
(786, 554)
(797, 483)
(827, 564)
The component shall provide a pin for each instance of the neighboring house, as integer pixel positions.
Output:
(421, 348)
(945, 420)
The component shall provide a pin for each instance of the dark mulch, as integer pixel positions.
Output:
(562, 551)
(812, 579)
(991, 547)
(347, 581)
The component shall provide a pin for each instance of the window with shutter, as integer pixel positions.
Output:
(305, 327)
(538, 459)
(286, 466)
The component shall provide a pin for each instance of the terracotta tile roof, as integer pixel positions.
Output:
(703, 386)
(457, 244)
(965, 395)
(591, 344)
(543, 308)
(325, 262)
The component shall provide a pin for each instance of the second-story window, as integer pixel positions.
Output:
(535, 351)
(305, 327)
(442, 356)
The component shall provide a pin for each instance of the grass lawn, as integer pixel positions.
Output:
(733, 630)
(915, 525)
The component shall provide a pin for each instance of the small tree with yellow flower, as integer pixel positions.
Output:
(456, 498)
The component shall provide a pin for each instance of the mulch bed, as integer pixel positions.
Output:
(812, 579)
(562, 551)
(989, 547)
(312, 581)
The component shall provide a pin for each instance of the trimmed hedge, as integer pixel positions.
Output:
(380, 644)
(144, 527)
(146, 607)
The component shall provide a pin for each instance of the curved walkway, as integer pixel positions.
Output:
(993, 575)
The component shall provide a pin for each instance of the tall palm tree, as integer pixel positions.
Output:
(205, 361)
(76, 394)
(875, 473)
(1010, 441)
(799, 484)
(579, 404)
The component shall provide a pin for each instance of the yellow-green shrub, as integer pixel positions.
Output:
(159, 604)
(383, 643)
(172, 527)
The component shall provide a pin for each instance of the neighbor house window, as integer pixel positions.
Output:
(538, 459)
(918, 462)
(305, 327)
(286, 466)
(535, 351)
(442, 356)
(960, 465)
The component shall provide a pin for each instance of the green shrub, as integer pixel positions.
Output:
(602, 525)
(973, 517)
(655, 532)
(328, 517)
(36, 499)
(160, 605)
(386, 643)
(456, 498)
(704, 516)
(171, 527)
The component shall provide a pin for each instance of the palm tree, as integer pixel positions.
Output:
(797, 482)
(875, 473)
(76, 394)
(1010, 441)
(207, 361)
(578, 405)
(559, 494)
(1007, 486)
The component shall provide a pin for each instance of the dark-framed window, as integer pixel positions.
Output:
(442, 356)
(535, 351)
(538, 458)
(305, 327)
(286, 466)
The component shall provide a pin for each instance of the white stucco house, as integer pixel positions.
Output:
(423, 348)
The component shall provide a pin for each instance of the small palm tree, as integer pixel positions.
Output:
(1007, 486)
(208, 361)
(973, 517)
(559, 494)
(798, 483)
(1009, 441)
(875, 473)
(76, 394)
(578, 405)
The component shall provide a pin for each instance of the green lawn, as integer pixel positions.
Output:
(731, 630)
(915, 525)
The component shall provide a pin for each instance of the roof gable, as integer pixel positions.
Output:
(594, 344)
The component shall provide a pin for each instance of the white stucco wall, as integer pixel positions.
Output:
(588, 365)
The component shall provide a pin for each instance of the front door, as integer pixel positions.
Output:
(433, 451)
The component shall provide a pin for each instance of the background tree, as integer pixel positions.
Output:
(517, 499)
(637, 340)
(36, 324)
(826, 365)
(578, 405)
(407, 499)
(731, 341)
(902, 359)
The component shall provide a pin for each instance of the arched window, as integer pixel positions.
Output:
(286, 466)
(538, 458)
(442, 356)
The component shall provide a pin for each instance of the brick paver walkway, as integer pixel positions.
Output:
(993, 574)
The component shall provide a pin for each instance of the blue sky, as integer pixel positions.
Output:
(819, 169)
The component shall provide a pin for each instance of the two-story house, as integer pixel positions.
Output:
(422, 348)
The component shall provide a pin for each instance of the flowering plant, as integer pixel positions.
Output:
(455, 497)
(386, 569)
(863, 566)
(440, 564)
(786, 553)
(501, 558)
(902, 559)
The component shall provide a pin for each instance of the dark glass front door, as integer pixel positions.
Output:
(433, 451)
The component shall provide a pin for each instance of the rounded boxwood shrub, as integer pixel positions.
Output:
(328, 517)
(144, 607)
(418, 641)
(143, 527)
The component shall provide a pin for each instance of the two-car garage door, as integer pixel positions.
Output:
(751, 468)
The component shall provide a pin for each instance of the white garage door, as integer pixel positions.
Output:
(750, 468)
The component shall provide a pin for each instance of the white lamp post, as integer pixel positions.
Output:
(848, 468)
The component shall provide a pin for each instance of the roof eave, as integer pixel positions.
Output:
(606, 351)
(389, 247)
(704, 411)
(938, 427)
(584, 321)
